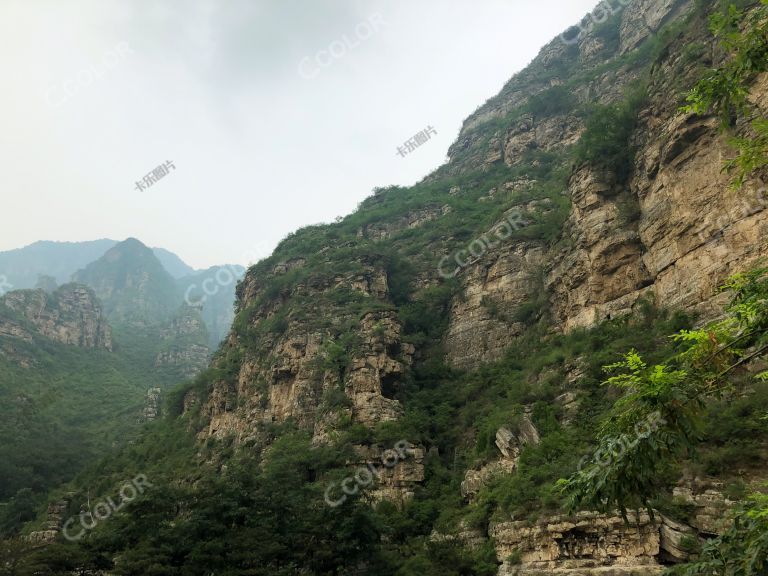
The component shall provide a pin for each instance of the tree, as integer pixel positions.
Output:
(673, 396)
(725, 90)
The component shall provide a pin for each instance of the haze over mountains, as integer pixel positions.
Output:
(131, 269)
(550, 356)
(89, 361)
(23, 266)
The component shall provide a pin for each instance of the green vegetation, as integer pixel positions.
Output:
(606, 140)
(742, 550)
(455, 412)
(67, 408)
(115, 279)
(725, 90)
(675, 394)
(62, 407)
(257, 506)
(678, 390)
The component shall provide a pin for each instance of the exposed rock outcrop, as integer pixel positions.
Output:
(397, 472)
(671, 234)
(152, 405)
(674, 541)
(510, 445)
(71, 315)
(183, 344)
(586, 545)
(710, 506)
(296, 373)
(54, 520)
(321, 344)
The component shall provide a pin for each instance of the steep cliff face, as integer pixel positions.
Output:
(70, 315)
(692, 231)
(516, 235)
(183, 343)
(297, 370)
(671, 233)
(586, 544)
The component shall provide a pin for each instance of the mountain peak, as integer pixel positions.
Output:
(132, 283)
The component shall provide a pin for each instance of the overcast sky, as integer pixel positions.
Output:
(275, 113)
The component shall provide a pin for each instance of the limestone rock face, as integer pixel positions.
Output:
(483, 320)
(645, 17)
(692, 231)
(152, 405)
(639, 19)
(54, 520)
(602, 273)
(375, 375)
(323, 346)
(291, 374)
(670, 234)
(464, 535)
(710, 505)
(397, 472)
(672, 540)
(190, 359)
(510, 445)
(476, 480)
(585, 545)
(184, 343)
(71, 315)
(592, 544)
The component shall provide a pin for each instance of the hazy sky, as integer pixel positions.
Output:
(275, 113)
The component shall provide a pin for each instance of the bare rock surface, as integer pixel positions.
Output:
(71, 315)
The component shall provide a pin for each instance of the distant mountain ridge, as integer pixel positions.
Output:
(79, 361)
(132, 284)
(46, 264)
(213, 290)
(22, 267)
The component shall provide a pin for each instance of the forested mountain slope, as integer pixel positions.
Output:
(420, 387)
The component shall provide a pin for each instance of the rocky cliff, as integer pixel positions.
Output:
(296, 369)
(183, 343)
(672, 232)
(70, 315)
(522, 235)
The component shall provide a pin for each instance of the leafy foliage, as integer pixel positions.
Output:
(741, 551)
(743, 34)
(678, 392)
(606, 140)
